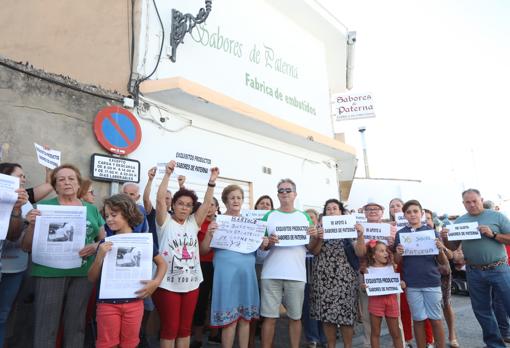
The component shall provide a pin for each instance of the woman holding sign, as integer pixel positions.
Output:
(421, 273)
(177, 295)
(235, 297)
(334, 295)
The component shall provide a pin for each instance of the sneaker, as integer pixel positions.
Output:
(431, 345)
(409, 344)
(214, 339)
(311, 345)
(506, 339)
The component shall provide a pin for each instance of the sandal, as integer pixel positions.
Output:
(454, 343)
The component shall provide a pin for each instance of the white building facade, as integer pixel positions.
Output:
(250, 89)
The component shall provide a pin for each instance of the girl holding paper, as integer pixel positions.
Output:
(235, 296)
(119, 320)
(421, 274)
(383, 305)
(334, 295)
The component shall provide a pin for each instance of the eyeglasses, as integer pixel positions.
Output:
(184, 205)
(372, 209)
(286, 190)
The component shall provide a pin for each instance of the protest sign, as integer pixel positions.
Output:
(238, 233)
(360, 217)
(47, 157)
(377, 232)
(192, 166)
(253, 214)
(400, 220)
(59, 235)
(382, 281)
(419, 243)
(126, 265)
(339, 226)
(465, 231)
(8, 197)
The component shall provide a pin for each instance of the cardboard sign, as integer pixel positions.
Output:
(382, 281)
(238, 233)
(253, 214)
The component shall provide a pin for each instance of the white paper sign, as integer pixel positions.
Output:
(8, 197)
(339, 226)
(400, 220)
(360, 218)
(193, 166)
(254, 214)
(126, 265)
(382, 281)
(59, 235)
(48, 158)
(465, 231)
(377, 232)
(419, 243)
(292, 234)
(238, 233)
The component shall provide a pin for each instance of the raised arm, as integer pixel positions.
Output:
(41, 191)
(201, 213)
(359, 247)
(147, 204)
(161, 208)
(16, 223)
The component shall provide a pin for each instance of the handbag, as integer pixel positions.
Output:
(351, 254)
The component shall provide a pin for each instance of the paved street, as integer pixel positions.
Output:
(468, 330)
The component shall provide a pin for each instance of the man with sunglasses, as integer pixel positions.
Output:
(284, 272)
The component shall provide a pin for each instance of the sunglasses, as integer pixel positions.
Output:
(286, 190)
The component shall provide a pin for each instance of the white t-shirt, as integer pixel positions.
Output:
(15, 260)
(285, 262)
(178, 245)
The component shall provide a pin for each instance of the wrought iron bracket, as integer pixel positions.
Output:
(184, 23)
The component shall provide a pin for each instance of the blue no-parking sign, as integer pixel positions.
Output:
(117, 130)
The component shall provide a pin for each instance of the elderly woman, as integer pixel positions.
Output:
(177, 295)
(64, 292)
(334, 295)
(235, 298)
(86, 192)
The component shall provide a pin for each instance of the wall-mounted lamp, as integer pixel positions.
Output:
(184, 23)
(351, 43)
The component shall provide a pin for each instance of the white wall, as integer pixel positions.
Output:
(239, 154)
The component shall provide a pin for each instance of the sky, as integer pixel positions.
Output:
(439, 72)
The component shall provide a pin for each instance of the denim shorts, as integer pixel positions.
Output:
(425, 303)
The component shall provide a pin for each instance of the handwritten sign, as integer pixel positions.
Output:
(382, 282)
(339, 226)
(419, 243)
(238, 233)
(377, 232)
(47, 157)
(253, 214)
(465, 231)
(360, 218)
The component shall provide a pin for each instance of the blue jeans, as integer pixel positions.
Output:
(9, 287)
(312, 328)
(501, 315)
(480, 285)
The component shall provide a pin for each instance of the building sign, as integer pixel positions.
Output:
(109, 168)
(280, 71)
(353, 106)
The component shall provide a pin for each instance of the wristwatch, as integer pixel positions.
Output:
(494, 235)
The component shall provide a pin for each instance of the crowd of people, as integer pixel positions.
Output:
(320, 286)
